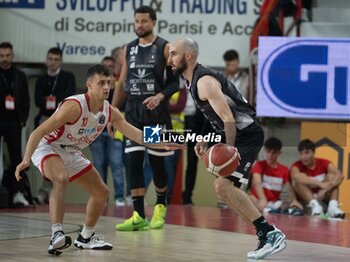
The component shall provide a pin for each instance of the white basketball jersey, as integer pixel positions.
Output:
(84, 131)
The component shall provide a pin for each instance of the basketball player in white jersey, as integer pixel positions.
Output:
(55, 148)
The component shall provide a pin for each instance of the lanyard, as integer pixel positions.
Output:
(8, 87)
(238, 76)
(54, 84)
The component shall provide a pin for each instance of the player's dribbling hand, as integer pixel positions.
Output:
(21, 166)
(200, 149)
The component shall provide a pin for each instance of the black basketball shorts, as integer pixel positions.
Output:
(248, 143)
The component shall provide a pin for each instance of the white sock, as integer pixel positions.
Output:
(314, 201)
(87, 231)
(333, 203)
(55, 228)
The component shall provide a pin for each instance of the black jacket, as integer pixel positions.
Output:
(19, 90)
(65, 86)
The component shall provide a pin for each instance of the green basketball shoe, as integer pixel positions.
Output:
(133, 223)
(158, 219)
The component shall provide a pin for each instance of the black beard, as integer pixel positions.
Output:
(145, 34)
(181, 68)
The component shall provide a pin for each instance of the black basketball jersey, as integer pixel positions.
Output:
(146, 69)
(242, 111)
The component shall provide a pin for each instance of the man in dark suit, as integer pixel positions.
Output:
(14, 110)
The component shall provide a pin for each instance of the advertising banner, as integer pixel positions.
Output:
(303, 78)
(87, 30)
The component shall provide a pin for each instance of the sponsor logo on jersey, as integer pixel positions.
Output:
(86, 131)
(102, 119)
(141, 73)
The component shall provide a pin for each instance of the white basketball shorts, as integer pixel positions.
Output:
(75, 162)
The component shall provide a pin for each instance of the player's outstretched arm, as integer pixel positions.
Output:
(118, 122)
(68, 112)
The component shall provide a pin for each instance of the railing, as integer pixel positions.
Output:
(262, 27)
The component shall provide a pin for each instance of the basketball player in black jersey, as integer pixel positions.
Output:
(229, 114)
(147, 92)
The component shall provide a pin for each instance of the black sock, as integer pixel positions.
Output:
(161, 198)
(262, 226)
(139, 206)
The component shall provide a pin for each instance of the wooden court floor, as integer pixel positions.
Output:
(191, 234)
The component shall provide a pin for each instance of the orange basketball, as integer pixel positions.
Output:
(221, 159)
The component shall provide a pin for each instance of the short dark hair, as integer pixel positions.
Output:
(273, 143)
(306, 144)
(230, 55)
(55, 51)
(116, 49)
(107, 58)
(6, 45)
(144, 9)
(97, 69)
